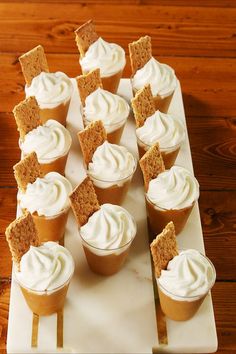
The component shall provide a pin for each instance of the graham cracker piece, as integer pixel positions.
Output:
(90, 138)
(85, 35)
(84, 201)
(140, 53)
(20, 235)
(27, 171)
(33, 63)
(164, 248)
(143, 105)
(27, 116)
(88, 83)
(151, 164)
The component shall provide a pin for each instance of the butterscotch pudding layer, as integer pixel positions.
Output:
(58, 113)
(115, 136)
(58, 165)
(163, 103)
(107, 237)
(158, 218)
(114, 194)
(51, 228)
(44, 304)
(111, 83)
(105, 265)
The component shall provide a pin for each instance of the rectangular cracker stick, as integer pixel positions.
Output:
(143, 105)
(20, 235)
(140, 53)
(151, 164)
(88, 83)
(27, 116)
(90, 138)
(33, 63)
(27, 171)
(164, 248)
(85, 35)
(84, 201)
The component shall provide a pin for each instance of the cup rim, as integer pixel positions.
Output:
(47, 292)
(192, 297)
(117, 180)
(66, 209)
(108, 125)
(109, 250)
(162, 149)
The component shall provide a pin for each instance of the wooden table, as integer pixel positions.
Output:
(197, 38)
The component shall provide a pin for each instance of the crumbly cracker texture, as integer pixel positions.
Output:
(88, 83)
(27, 116)
(143, 105)
(27, 171)
(164, 248)
(140, 53)
(151, 164)
(84, 201)
(20, 235)
(90, 138)
(85, 35)
(33, 63)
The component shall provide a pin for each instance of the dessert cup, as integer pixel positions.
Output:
(182, 308)
(169, 154)
(45, 303)
(159, 217)
(111, 83)
(51, 228)
(106, 261)
(114, 131)
(162, 103)
(58, 112)
(112, 192)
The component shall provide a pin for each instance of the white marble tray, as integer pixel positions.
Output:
(115, 314)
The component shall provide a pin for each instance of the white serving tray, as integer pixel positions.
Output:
(115, 314)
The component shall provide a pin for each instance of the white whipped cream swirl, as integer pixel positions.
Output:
(188, 274)
(108, 57)
(50, 89)
(162, 128)
(175, 188)
(47, 196)
(109, 228)
(50, 141)
(103, 105)
(160, 76)
(111, 164)
(46, 267)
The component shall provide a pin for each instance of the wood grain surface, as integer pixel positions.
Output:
(198, 39)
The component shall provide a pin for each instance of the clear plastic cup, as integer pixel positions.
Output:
(182, 308)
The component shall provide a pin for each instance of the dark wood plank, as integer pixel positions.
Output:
(191, 31)
(205, 93)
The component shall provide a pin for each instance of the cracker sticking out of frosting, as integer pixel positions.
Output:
(84, 201)
(90, 138)
(143, 105)
(33, 63)
(88, 83)
(151, 164)
(27, 171)
(140, 53)
(85, 35)
(164, 248)
(20, 235)
(27, 116)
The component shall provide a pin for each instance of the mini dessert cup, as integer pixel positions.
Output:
(182, 308)
(112, 192)
(106, 261)
(111, 83)
(162, 103)
(159, 217)
(114, 131)
(45, 303)
(169, 154)
(51, 228)
(57, 112)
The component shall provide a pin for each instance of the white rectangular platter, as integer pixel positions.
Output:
(115, 314)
